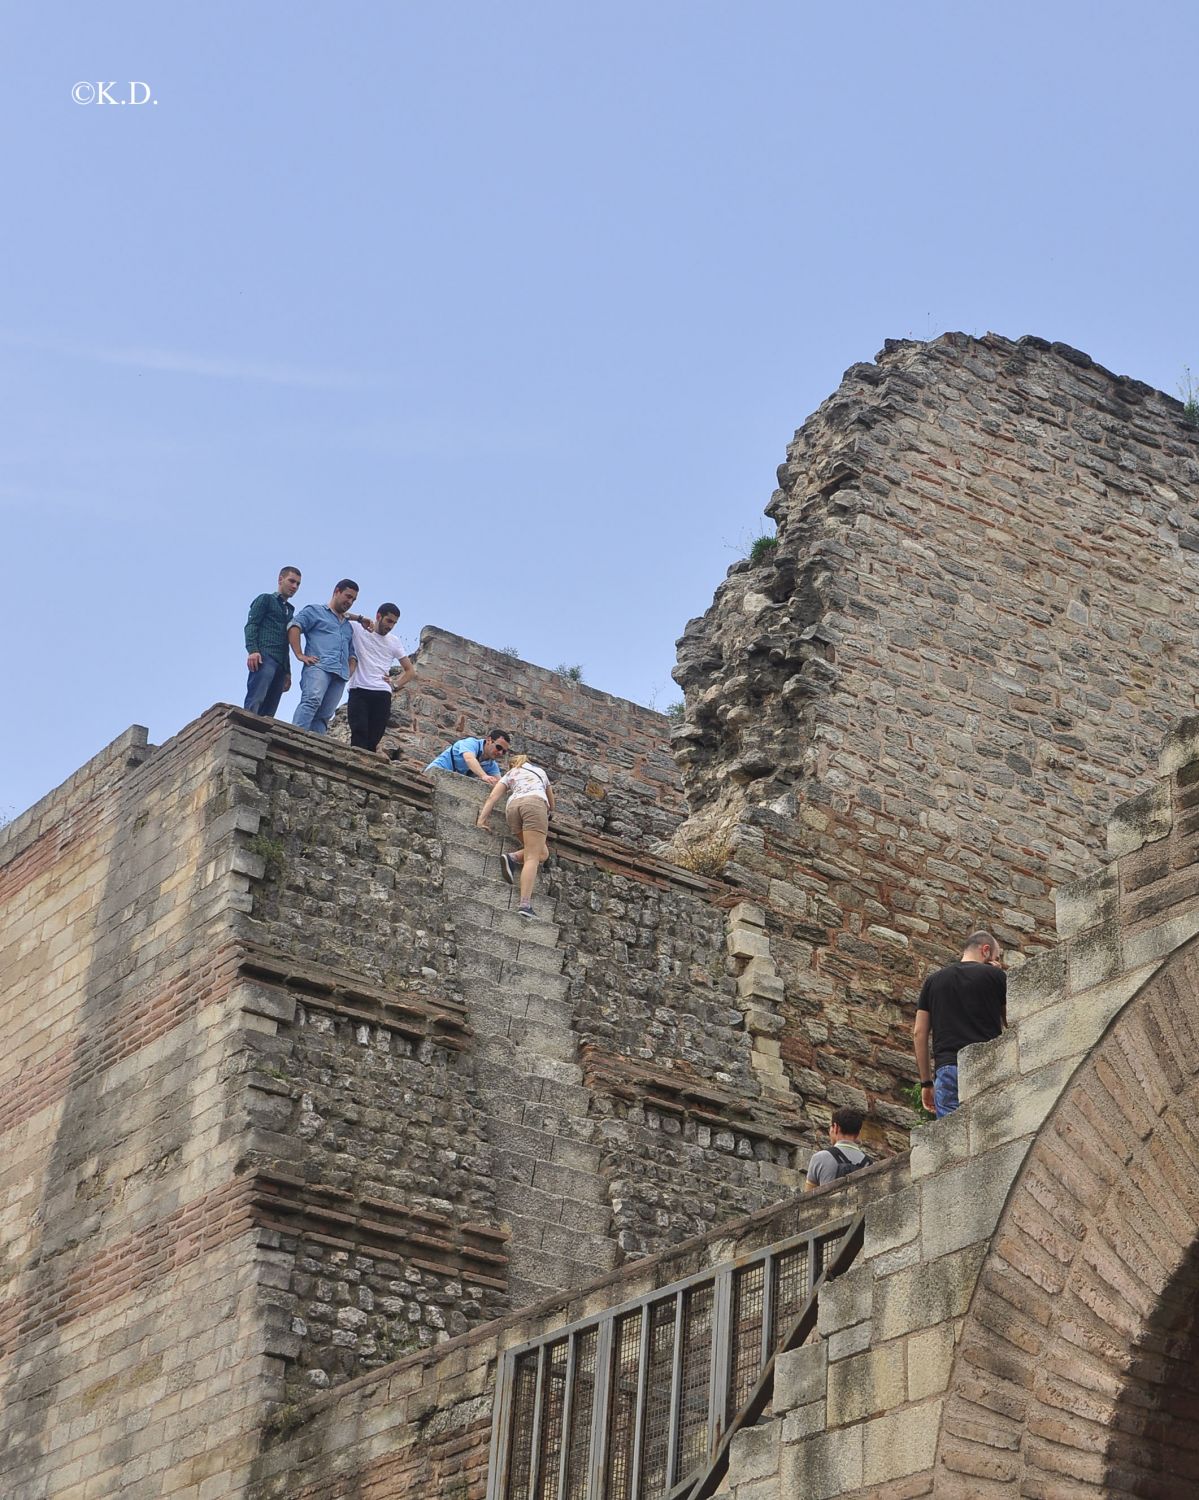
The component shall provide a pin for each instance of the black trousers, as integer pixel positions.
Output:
(368, 712)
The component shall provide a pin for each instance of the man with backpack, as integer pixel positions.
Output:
(843, 1156)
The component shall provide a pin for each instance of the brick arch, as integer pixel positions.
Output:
(1078, 1364)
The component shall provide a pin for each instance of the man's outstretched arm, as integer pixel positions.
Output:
(920, 1035)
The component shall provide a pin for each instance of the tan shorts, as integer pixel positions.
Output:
(531, 813)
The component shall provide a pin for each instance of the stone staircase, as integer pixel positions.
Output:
(548, 1184)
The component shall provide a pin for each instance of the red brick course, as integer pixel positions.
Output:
(130, 1264)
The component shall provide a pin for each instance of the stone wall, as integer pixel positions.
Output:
(293, 1092)
(1021, 1320)
(131, 1339)
(420, 1429)
(609, 758)
(914, 716)
(554, 1097)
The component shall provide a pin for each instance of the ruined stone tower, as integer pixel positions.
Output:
(294, 1100)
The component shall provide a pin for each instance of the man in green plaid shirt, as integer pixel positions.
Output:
(268, 659)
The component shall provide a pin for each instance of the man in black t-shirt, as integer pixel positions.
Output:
(960, 1004)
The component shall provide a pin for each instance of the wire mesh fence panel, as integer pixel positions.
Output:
(655, 1443)
(626, 1404)
(826, 1249)
(582, 1415)
(695, 1386)
(549, 1438)
(524, 1400)
(749, 1286)
(790, 1289)
(623, 1407)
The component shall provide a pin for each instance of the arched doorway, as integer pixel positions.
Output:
(1077, 1369)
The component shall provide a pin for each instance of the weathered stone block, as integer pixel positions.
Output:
(892, 1221)
(986, 1065)
(847, 1341)
(930, 1360)
(746, 914)
(822, 1466)
(760, 980)
(1180, 747)
(754, 1452)
(1072, 1026)
(1160, 939)
(901, 1443)
(846, 1300)
(800, 1376)
(1085, 903)
(803, 1421)
(748, 942)
(1007, 1114)
(932, 1292)
(961, 1204)
(1139, 821)
(938, 1143)
(1094, 956)
(867, 1383)
(1036, 984)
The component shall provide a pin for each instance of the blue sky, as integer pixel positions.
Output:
(510, 311)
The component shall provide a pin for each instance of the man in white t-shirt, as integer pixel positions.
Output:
(378, 654)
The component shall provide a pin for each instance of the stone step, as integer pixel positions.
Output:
(502, 899)
(522, 946)
(481, 967)
(489, 911)
(489, 1026)
(562, 1243)
(491, 840)
(533, 1092)
(526, 1264)
(523, 1292)
(555, 1072)
(544, 1042)
(451, 787)
(525, 1140)
(588, 1216)
(482, 974)
(473, 862)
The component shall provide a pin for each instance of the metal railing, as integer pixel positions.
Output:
(641, 1401)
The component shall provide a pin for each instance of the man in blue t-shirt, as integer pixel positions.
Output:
(474, 757)
(328, 656)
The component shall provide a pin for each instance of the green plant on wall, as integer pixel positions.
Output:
(675, 711)
(1188, 392)
(762, 547)
(573, 674)
(272, 854)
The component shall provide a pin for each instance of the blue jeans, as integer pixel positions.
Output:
(320, 693)
(264, 688)
(945, 1089)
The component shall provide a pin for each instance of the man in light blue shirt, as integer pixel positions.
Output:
(328, 656)
(474, 756)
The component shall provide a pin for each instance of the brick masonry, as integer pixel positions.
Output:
(609, 757)
(297, 1116)
(915, 716)
(292, 1094)
(1022, 1320)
